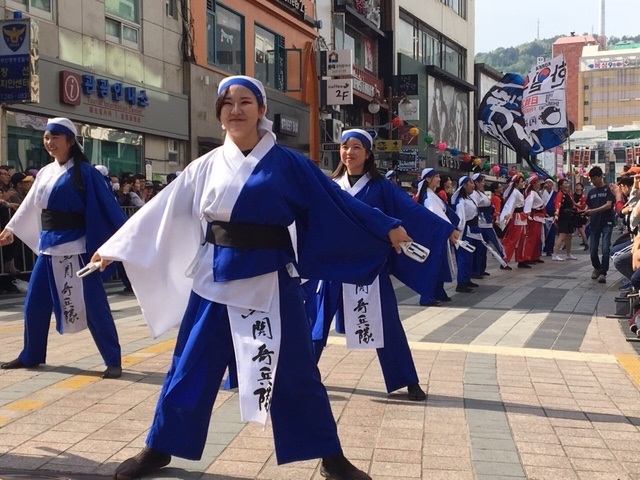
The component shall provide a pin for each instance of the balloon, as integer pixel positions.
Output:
(525, 175)
(476, 162)
(495, 169)
(511, 172)
(466, 158)
(413, 131)
(560, 176)
(441, 146)
(503, 171)
(396, 122)
(486, 165)
(454, 151)
(428, 139)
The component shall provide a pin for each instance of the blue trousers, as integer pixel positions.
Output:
(42, 299)
(303, 424)
(550, 238)
(464, 260)
(600, 234)
(396, 361)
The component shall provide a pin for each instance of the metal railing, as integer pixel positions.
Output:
(17, 257)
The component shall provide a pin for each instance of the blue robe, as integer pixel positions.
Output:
(283, 187)
(103, 217)
(425, 228)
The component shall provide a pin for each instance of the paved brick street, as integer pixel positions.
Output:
(526, 378)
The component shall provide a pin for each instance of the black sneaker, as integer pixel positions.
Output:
(415, 393)
(523, 265)
(460, 288)
(472, 285)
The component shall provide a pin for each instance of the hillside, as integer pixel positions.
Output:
(521, 58)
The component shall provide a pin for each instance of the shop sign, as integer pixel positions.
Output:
(408, 160)
(388, 146)
(16, 73)
(449, 161)
(330, 147)
(338, 91)
(297, 5)
(336, 63)
(105, 98)
(286, 125)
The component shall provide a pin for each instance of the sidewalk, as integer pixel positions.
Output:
(526, 378)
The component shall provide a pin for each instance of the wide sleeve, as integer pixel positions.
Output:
(26, 223)
(509, 207)
(528, 203)
(427, 229)
(157, 245)
(339, 238)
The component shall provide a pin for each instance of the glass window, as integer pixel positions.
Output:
(265, 56)
(171, 8)
(120, 151)
(405, 38)
(225, 43)
(37, 8)
(356, 43)
(122, 22)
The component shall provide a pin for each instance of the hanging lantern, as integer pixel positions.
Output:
(466, 158)
(428, 139)
(396, 122)
(454, 151)
(413, 131)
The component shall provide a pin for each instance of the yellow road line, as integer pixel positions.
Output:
(24, 405)
(76, 382)
(631, 365)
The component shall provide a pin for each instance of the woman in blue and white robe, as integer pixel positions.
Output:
(358, 175)
(67, 214)
(234, 231)
(467, 212)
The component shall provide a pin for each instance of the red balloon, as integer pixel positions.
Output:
(512, 172)
(441, 146)
(495, 169)
(466, 158)
(396, 122)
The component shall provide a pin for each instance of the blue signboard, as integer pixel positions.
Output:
(15, 69)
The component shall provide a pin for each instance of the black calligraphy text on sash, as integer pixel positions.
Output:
(364, 328)
(262, 328)
(68, 308)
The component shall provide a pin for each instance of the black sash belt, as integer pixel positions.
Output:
(248, 235)
(57, 220)
(472, 222)
(518, 210)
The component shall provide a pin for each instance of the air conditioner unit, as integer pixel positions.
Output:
(334, 129)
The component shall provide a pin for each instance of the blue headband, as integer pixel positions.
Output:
(248, 82)
(361, 135)
(463, 180)
(57, 128)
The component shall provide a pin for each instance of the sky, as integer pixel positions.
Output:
(507, 23)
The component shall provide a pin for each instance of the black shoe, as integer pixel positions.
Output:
(539, 261)
(505, 268)
(435, 303)
(460, 288)
(144, 463)
(415, 393)
(127, 291)
(114, 371)
(13, 365)
(338, 467)
(523, 265)
(486, 274)
(446, 299)
(549, 254)
(471, 284)
(477, 277)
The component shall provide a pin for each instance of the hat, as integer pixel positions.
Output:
(428, 172)
(104, 171)
(148, 184)
(360, 134)
(477, 177)
(462, 181)
(633, 171)
(33, 172)
(61, 125)
(549, 180)
(252, 84)
(19, 177)
(391, 173)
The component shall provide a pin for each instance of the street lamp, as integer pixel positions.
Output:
(378, 101)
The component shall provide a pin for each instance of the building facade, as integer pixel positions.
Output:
(115, 69)
(271, 40)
